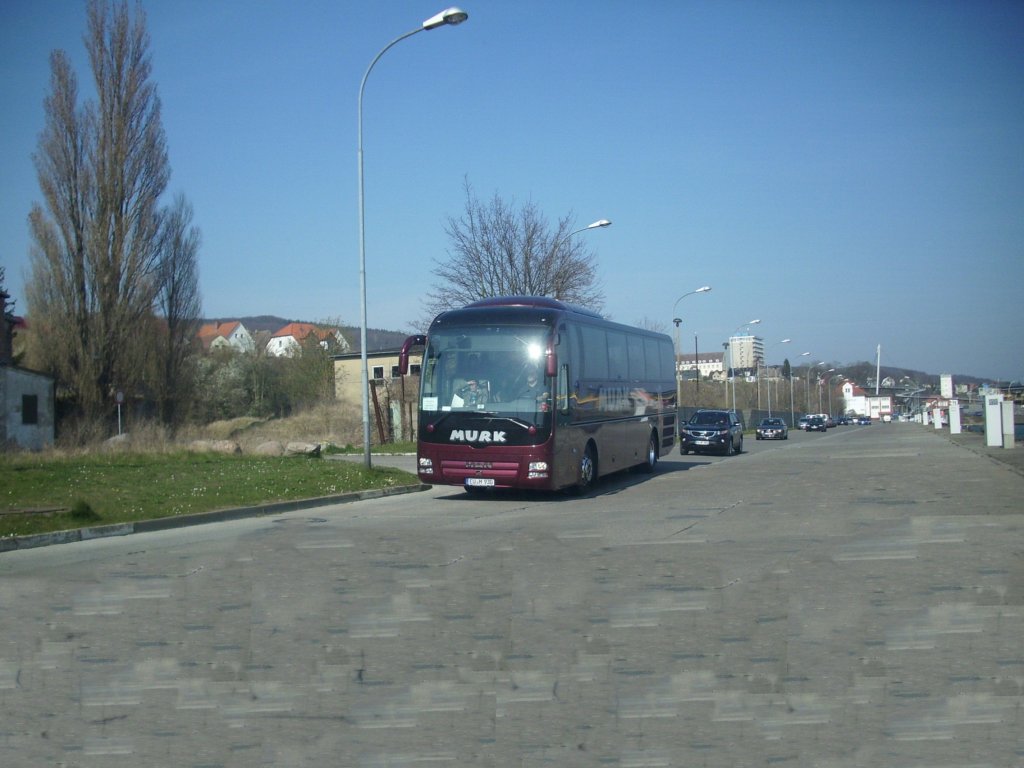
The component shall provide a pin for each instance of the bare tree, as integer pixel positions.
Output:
(651, 325)
(499, 251)
(178, 303)
(98, 243)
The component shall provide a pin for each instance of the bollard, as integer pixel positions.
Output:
(993, 420)
(1008, 436)
(954, 417)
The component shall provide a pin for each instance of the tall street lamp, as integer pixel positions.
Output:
(731, 358)
(807, 389)
(821, 379)
(792, 407)
(449, 17)
(677, 321)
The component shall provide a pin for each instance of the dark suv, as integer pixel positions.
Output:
(817, 424)
(712, 432)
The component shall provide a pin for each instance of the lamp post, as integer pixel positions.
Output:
(827, 381)
(807, 389)
(450, 17)
(841, 379)
(731, 359)
(792, 407)
(679, 351)
(820, 380)
(768, 379)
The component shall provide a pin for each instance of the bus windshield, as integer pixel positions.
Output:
(494, 369)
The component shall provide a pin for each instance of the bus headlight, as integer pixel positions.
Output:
(537, 469)
(426, 466)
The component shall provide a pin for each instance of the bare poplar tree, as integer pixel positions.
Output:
(178, 303)
(499, 251)
(98, 252)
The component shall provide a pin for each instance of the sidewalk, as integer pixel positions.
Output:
(975, 442)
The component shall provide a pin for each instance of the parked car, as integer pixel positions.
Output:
(829, 421)
(816, 424)
(843, 421)
(712, 431)
(772, 429)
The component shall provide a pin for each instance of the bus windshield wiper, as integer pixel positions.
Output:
(498, 416)
(486, 415)
(492, 416)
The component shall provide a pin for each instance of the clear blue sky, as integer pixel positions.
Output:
(850, 173)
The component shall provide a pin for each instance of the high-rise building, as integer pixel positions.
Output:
(746, 352)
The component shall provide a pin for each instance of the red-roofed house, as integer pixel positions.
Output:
(226, 335)
(288, 341)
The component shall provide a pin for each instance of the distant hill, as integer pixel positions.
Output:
(376, 339)
(864, 372)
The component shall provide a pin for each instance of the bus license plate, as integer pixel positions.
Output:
(702, 442)
(485, 481)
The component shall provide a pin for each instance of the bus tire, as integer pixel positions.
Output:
(651, 461)
(588, 471)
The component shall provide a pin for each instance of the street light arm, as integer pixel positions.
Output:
(595, 225)
(702, 289)
(746, 325)
(362, 84)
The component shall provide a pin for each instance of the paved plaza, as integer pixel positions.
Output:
(849, 599)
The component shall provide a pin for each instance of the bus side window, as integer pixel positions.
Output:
(562, 389)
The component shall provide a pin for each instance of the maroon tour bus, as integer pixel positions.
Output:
(532, 393)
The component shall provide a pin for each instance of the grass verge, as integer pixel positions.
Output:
(41, 494)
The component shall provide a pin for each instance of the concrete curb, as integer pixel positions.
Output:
(13, 543)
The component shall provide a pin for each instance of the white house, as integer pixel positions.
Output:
(26, 397)
(709, 364)
(28, 409)
(288, 341)
(227, 335)
(856, 400)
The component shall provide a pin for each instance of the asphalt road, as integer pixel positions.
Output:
(846, 599)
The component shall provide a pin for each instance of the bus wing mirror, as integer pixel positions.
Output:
(403, 354)
(552, 364)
